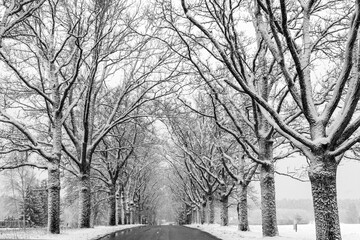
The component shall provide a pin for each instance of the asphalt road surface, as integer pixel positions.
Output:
(160, 233)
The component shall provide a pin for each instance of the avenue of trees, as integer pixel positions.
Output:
(233, 86)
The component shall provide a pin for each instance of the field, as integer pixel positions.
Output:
(305, 232)
(66, 234)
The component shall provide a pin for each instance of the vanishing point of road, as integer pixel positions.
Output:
(160, 233)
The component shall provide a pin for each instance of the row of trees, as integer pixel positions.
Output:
(275, 78)
(80, 81)
(282, 77)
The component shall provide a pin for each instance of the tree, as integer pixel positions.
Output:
(40, 68)
(115, 152)
(197, 146)
(13, 14)
(19, 182)
(185, 191)
(121, 64)
(34, 207)
(192, 46)
(327, 111)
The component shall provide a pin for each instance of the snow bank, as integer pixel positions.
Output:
(66, 234)
(305, 232)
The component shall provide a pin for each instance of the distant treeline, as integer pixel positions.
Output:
(349, 209)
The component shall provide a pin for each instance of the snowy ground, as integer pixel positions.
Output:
(66, 234)
(305, 232)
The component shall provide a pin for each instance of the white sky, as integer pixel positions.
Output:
(348, 177)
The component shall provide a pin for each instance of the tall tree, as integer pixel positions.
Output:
(191, 45)
(114, 153)
(327, 110)
(122, 77)
(40, 68)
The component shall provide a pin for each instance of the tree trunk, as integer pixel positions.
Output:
(198, 215)
(112, 206)
(193, 216)
(84, 201)
(268, 204)
(123, 212)
(323, 185)
(119, 211)
(242, 209)
(267, 185)
(54, 198)
(131, 217)
(211, 209)
(224, 215)
(54, 172)
(203, 213)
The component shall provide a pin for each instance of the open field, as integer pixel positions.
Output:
(305, 232)
(66, 234)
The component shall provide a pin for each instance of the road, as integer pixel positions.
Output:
(160, 233)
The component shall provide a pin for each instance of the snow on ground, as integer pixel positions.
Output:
(66, 234)
(305, 232)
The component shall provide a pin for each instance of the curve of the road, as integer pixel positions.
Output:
(160, 233)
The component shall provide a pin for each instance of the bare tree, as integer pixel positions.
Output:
(113, 156)
(125, 73)
(14, 12)
(195, 48)
(332, 125)
(40, 67)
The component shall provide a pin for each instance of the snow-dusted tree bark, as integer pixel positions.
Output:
(242, 174)
(123, 216)
(323, 186)
(84, 201)
(119, 208)
(242, 210)
(53, 184)
(203, 213)
(267, 185)
(210, 209)
(224, 211)
(54, 166)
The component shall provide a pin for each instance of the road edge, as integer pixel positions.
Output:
(119, 230)
(202, 231)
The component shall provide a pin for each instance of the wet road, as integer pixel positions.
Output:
(160, 233)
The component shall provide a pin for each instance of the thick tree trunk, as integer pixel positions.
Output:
(53, 198)
(123, 212)
(268, 204)
(211, 209)
(131, 218)
(203, 213)
(224, 214)
(198, 215)
(119, 209)
(54, 169)
(54, 164)
(84, 201)
(139, 217)
(193, 216)
(323, 186)
(267, 185)
(112, 206)
(242, 209)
